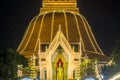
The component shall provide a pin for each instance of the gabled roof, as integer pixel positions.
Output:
(59, 40)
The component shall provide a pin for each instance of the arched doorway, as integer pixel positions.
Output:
(59, 67)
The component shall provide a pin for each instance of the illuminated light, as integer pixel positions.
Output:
(52, 25)
(93, 36)
(26, 79)
(115, 77)
(102, 76)
(90, 79)
(66, 24)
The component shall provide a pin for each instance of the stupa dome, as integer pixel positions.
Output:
(45, 25)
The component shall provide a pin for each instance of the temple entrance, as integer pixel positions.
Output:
(59, 67)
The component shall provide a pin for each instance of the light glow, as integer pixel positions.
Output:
(102, 76)
(26, 79)
(89, 79)
(115, 77)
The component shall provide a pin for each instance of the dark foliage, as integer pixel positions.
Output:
(110, 70)
(9, 59)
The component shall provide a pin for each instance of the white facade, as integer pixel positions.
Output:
(49, 59)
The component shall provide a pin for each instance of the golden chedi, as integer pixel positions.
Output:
(59, 34)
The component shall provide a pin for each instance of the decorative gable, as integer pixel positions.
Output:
(59, 40)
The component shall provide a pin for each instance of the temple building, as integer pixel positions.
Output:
(58, 39)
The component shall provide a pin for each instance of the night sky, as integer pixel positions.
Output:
(102, 15)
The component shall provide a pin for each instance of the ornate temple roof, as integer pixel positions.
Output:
(74, 26)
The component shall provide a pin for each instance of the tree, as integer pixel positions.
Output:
(115, 56)
(113, 68)
(87, 67)
(9, 59)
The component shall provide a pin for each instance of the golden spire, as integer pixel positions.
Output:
(59, 5)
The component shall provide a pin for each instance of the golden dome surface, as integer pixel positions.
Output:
(45, 26)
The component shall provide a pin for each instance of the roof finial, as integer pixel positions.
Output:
(59, 27)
